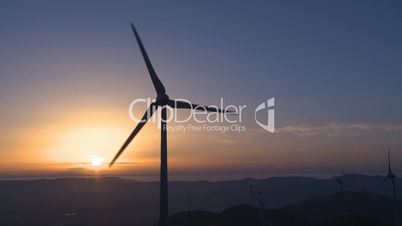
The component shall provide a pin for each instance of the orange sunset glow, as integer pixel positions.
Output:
(65, 99)
(200, 113)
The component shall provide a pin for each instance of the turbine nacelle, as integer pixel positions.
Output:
(391, 175)
(162, 100)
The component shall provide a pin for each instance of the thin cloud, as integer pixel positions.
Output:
(337, 129)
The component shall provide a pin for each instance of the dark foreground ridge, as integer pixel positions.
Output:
(120, 202)
(341, 209)
(341, 205)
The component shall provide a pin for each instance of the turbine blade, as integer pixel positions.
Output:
(337, 179)
(185, 105)
(383, 181)
(160, 89)
(151, 109)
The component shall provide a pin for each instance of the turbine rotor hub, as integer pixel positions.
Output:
(391, 176)
(162, 100)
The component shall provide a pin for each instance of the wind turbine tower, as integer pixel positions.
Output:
(392, 177)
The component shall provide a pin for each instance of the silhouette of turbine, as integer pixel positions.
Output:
(340, 180)
(189, 200)
(251, 191)
(162, 100)
(261, 204)
(392, 177)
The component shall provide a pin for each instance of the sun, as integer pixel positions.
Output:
(96, 161)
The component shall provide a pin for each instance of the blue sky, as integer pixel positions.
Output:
(324, 61)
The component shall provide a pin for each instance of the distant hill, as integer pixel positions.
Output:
(345, 204)
(342, 209)
(242, 215)
(115, 201)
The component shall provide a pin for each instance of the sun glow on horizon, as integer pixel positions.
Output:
(92, 144)
(96, 161)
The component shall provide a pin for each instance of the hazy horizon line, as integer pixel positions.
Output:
(134, 178)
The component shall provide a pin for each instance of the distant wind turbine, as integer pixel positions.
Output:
(189, 199)
(251, 190)
(262, 208)
(162, 101)
(392, 177)
(261, 204)
(340, 180)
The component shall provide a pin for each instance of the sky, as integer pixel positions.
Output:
(70, 69)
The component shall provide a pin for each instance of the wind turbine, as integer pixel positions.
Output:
(162, 101)
(339, 180)
(261, 204)
(251, 191)
(392, 177)
(189, 199)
